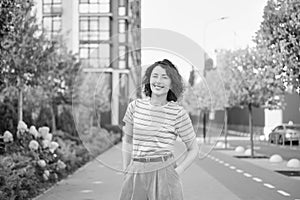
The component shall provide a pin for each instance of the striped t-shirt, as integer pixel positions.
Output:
(155, 128)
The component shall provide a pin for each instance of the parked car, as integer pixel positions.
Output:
(285, 133)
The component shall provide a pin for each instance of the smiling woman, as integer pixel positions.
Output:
(151, 128)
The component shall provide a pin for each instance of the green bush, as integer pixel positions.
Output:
(36, 159)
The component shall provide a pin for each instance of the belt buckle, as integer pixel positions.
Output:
(147, 159)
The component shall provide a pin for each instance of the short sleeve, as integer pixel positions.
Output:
(128, 117)
(184, 127)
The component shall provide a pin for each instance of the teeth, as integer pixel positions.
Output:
(157, 86)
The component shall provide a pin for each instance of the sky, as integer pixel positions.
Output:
(199, 20)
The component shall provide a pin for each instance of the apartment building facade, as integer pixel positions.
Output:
(105, 34)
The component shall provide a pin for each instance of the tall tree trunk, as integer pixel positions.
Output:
(251, 129)
(20, 104)
(204, 126)
(53, 118)
(225, 126)
(91, 120)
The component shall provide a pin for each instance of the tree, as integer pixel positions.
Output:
(259, 85)
(198, 100)
(278, 37)
(230, 85)
(91, 97)
(20, 61)
(60, 69)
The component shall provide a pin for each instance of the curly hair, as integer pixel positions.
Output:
(177, 86)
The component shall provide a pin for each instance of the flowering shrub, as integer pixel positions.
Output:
(36, 159)
(33, 151)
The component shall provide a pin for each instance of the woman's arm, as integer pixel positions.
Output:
(192, 152)
(127, 145)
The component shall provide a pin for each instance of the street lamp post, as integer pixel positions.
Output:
(208, 65)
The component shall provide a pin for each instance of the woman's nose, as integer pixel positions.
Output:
(159, 79)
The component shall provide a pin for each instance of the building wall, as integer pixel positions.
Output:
(292, 110)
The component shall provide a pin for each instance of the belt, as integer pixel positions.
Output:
(154, 159)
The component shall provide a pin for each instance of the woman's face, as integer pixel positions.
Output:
(160, 82)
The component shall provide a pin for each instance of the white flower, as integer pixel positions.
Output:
(42, 163)
(44, 130)
(46, 175)
(47, 172)
(53, 146)
(48, 137)
(7, 137)
(33, 131)
(61, 164)
(22, 127)
(33, 145)
(46, 143)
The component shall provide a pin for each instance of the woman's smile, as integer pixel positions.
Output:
(160, 82)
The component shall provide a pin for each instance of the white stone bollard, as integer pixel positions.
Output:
(275, 158)
(240, 149)
(220, 145)
(248, 152)
(293, 163)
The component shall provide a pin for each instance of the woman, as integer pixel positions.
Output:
(151, 127)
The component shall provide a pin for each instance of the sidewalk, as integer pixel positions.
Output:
(101, 179)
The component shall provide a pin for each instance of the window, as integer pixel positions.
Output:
(122, 30)
(94, 28)
(122, 57)
(94, 6)
(122, 7)
(279, 128)
(52, 11)
(95, 55)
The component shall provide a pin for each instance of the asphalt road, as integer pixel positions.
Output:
(249, 181)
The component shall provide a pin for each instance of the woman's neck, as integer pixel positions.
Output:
(158, 100)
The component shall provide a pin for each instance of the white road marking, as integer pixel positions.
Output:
(269, 185)
(86, 191)
(97, 182)
(247, 175)
(283, 193)
(239, 171)
(226, 164)
(232, 167)
(221, 162)
(257, 179)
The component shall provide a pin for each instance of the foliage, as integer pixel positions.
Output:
(91, 98)
(8, 116)
(36, 159)
(61, 68)
(229, 78)
(23, 53)
(278, 38)
(65, 120)
(258, 82)
(7, 13)
(30, 159)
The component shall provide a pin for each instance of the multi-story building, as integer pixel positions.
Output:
(106, 36)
